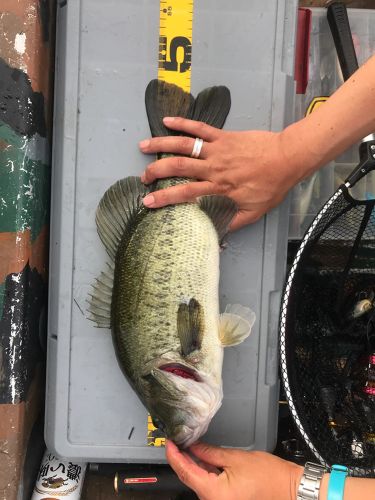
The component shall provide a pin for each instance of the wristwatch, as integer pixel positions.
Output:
(309, 486)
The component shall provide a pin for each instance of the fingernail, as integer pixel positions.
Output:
(168, 119)
(149, 200)
(144, 144)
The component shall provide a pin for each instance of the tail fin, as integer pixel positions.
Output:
(212, 106)
(166, 99)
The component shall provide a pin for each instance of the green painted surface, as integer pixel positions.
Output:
(24, 185)
(8, 135)
(2, 292)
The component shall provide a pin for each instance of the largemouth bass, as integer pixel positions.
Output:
(160, 294)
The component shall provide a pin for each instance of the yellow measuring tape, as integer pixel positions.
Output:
(175, 40)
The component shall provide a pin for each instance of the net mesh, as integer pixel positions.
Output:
(327, 331)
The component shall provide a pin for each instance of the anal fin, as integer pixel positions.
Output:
(220, 209)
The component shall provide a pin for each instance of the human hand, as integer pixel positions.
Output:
(253, 168)
(230, 474)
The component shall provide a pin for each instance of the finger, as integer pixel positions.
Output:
(186, 469)
(209, 467)
(173, 166)
(177, 194)
(171, 144)
(213, 455)
(192, 127)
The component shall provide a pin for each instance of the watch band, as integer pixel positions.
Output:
(309, 486)
(336, 482)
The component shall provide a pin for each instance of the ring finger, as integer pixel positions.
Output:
(172, 144)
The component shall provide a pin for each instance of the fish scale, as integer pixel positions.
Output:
(174, 256)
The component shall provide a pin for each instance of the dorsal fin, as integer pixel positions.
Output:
(117, 210)
(190, 326)
(220, 209)
(100, 299)
(115, 215)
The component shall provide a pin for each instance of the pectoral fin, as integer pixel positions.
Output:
(235, 324)
(190, 326)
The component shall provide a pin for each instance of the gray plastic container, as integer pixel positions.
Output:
(324, 78)
(106, 55)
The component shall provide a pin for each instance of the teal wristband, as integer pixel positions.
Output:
(336, 482)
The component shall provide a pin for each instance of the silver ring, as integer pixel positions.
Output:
(198, 143)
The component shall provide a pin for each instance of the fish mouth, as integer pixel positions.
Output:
(181, 371)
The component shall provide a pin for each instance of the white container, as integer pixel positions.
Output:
(59, 479)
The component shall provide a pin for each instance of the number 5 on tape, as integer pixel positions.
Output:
(175, 39)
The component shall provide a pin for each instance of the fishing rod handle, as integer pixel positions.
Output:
(338, 21)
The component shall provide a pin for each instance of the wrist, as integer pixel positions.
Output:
(296, 480)
(302, 152)
(323, 493)
(298, 153)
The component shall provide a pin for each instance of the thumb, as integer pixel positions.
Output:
(213, 455)
(186, 469)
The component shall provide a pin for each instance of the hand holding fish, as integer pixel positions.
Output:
(226, 474)
(257, 168)
(230, 474)
(251, 167)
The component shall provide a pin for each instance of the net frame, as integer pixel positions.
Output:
(335, 211)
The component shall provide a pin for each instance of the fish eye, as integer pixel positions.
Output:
(158, 423)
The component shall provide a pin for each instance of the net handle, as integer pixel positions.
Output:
(338, 21)
(337, 16)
